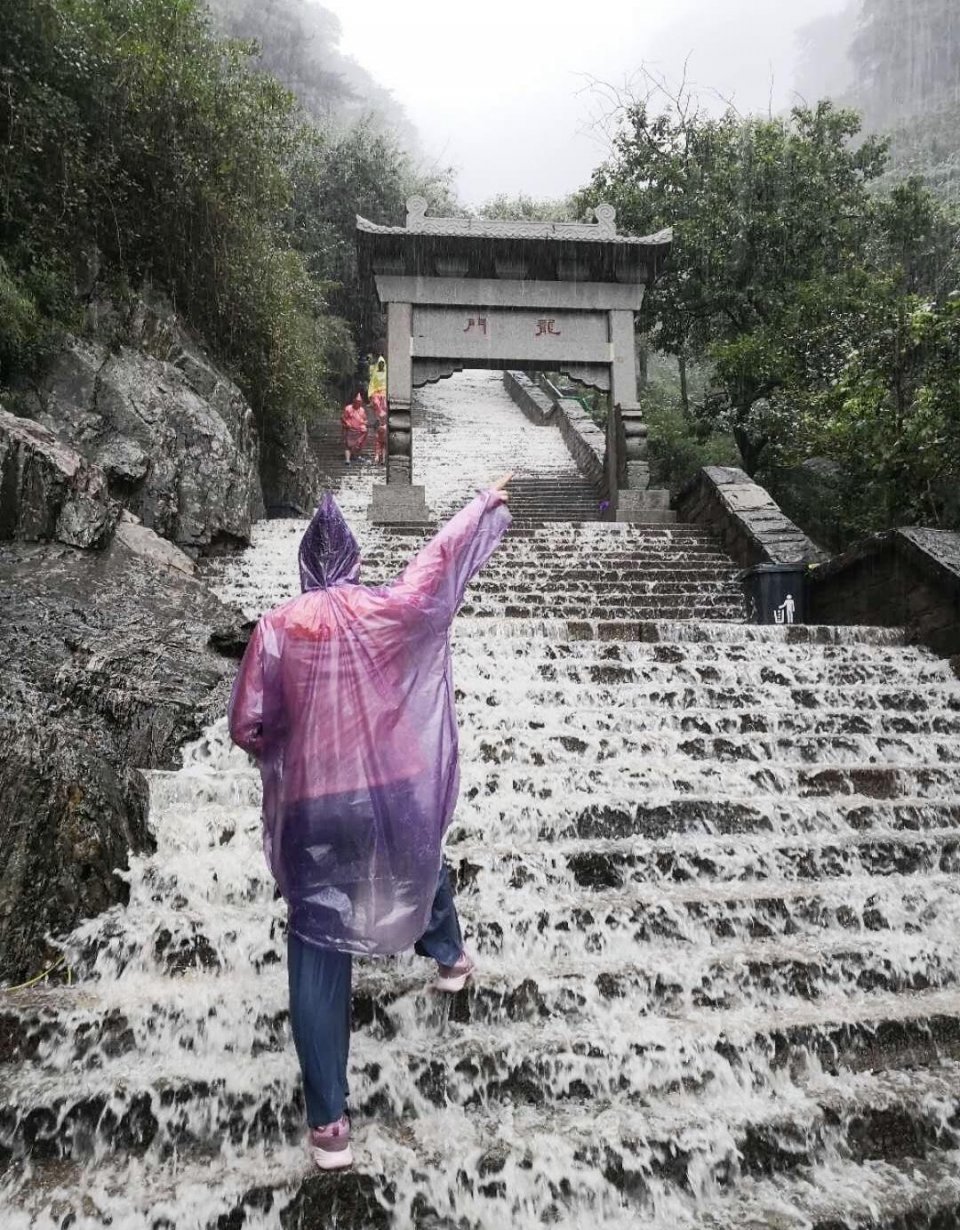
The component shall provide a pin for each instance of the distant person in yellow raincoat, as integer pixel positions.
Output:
(377, 385)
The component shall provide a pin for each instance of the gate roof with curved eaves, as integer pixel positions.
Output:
(529, 251)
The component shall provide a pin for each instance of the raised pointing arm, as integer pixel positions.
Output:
(436, 577)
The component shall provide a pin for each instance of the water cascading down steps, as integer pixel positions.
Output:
(709, 872)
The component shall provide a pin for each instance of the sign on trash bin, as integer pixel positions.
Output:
(775, 593)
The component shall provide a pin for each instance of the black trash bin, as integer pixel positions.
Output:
(775, 593)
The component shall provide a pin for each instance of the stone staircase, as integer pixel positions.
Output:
(708, 869)
(326, 445)
(565, 498)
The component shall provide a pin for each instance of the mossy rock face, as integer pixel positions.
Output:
(106, 668)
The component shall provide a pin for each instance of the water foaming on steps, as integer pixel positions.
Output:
(709, 872)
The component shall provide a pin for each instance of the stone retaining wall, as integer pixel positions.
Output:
(535, 404)
(903, 578)
(752, 528)
(585, 441)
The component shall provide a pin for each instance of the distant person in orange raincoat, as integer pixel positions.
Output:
(354, 424)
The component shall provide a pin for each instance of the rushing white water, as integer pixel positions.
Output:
(707, 869)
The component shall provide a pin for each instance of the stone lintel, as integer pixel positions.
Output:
(509, 292)
(512, 351)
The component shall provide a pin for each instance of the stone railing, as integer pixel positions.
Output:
(585, 441)
(902, 578)
(752, 528)
(538, 407)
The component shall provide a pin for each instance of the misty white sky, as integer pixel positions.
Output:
(496, 87)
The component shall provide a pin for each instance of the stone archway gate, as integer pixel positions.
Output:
(533, 296)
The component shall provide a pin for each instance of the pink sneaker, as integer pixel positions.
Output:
(330, 1145)
(453, 978)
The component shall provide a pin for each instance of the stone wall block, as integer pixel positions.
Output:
(751, 526)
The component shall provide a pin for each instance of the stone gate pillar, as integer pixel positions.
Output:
(399, 501)
(399, 393)
(629, 466)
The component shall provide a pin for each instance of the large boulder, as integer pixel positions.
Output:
(106, 668)
(48, 491)
(173, 434)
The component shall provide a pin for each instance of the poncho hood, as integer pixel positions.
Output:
(329, 553)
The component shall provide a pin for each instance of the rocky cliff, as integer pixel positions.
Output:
(107, 665)
(174, 436)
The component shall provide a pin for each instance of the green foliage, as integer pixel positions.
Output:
(337, 175)
(130, 130)
(823, 308)
(26, 333)
(523, 208)
(679, 442)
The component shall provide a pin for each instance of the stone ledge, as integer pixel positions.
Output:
(901, 578)
(534, 403)
(585, 441)
(751, 526)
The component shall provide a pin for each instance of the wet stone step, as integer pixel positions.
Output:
(550, 641)
(96, 1116)
(611, 922)
(706, 606)
(614, 1165)
(771, 682)
(940, 783)
(614, 588)
(542, 1063)
(755, 974)
(908, 1194)
(713, 816)
(115, 1108)
(903, 700)
(71, 1029)
(701, 860)
(713, 723)
(542, 747)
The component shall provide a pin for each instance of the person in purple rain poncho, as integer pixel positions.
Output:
(345, 698)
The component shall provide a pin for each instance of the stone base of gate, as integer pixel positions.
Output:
(399, 504)
(649, 507)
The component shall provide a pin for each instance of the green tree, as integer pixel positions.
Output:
(759, 209)
(339, 174)
(523, 208)
(129, 130)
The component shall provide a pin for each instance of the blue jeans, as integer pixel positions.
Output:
(320, 983)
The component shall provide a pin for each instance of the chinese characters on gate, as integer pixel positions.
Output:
(544, 328)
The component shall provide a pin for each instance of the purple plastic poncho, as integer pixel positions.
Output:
(345, 696)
